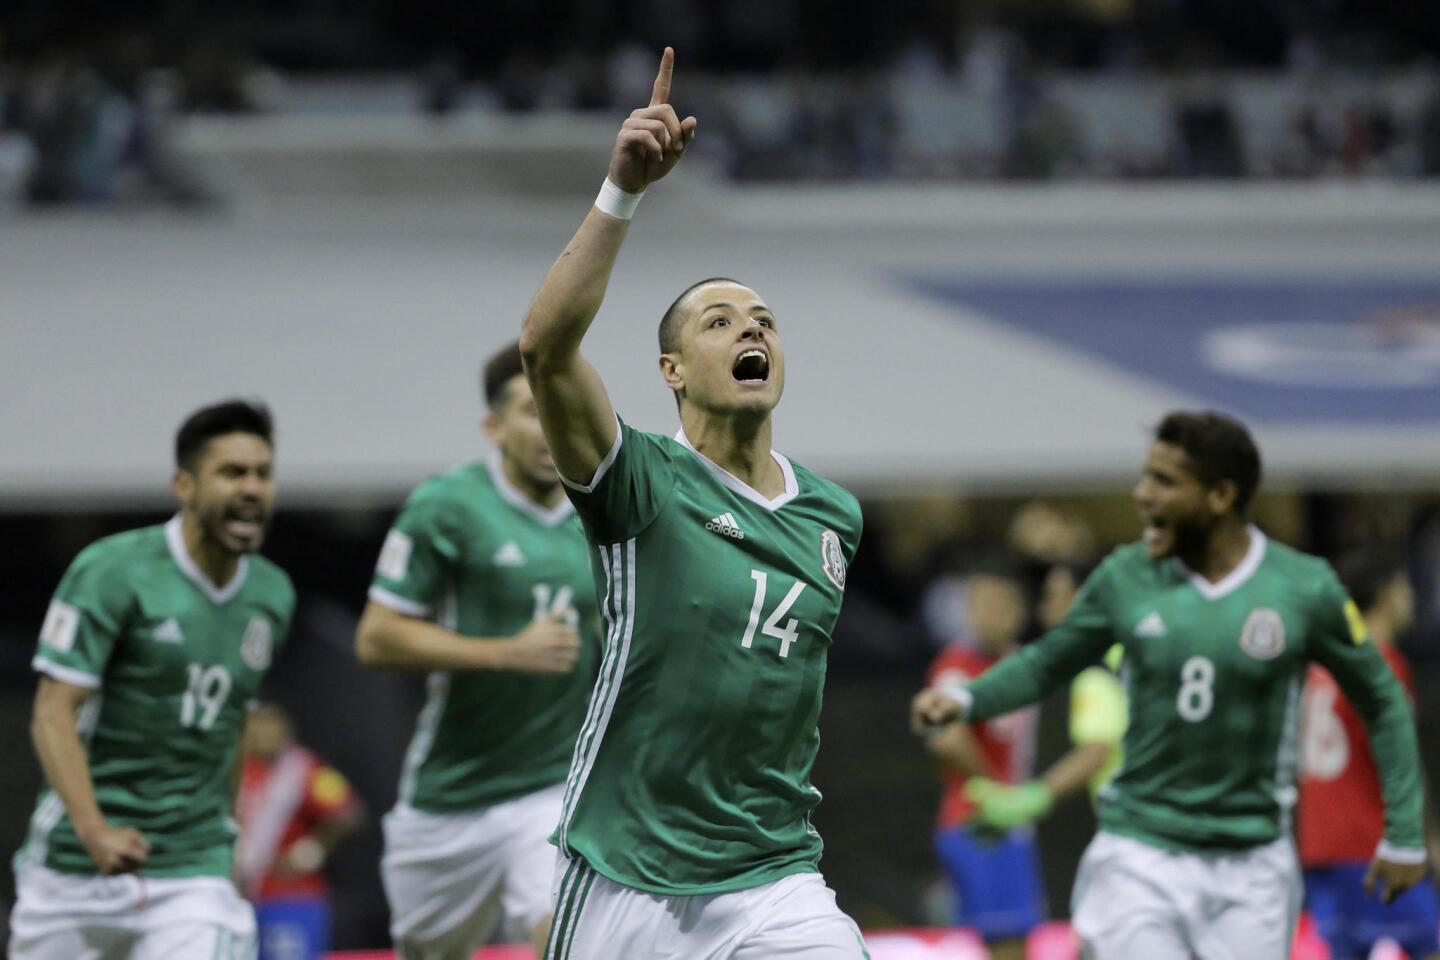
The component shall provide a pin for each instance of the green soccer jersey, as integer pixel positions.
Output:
(174, 662)
(692, 771)
(1213, 674)
(471, 552)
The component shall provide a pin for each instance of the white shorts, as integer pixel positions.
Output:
(1136, 901)
(453, 879)
(794, 918)
(63, 916)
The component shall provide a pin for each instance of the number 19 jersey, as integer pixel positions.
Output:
(692, 770)
(174, 661)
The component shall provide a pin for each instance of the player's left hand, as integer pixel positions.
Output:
(1393, 878)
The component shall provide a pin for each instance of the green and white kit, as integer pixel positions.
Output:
(692, 771)
(174, 662)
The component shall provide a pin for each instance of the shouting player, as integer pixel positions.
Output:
(1219, 624)
(155, 642)
(1342, 816)
(485, 583)
(686, 825)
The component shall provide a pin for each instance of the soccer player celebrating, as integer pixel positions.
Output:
(1341, 813)
(485, 583)
(155, 641)
(1194, 858)
(686, 827)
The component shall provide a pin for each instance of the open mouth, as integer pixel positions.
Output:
(244, 524)
(1155, 531)
(752, 366)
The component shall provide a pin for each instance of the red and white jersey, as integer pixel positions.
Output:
(1342, 814)
(1007, 742)
(281, 801)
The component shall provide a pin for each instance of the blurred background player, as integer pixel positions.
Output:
(1218, 624)
(155, 641)
(994, 874)
(686, 828)
(484, 582)
(294, 809)
(1342, 813)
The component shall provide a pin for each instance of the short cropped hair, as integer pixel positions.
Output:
(673, 320)
(218, 420)
(1367, 571)
(502, 367)
(1219, 447)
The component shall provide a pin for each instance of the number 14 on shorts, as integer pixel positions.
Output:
(787, 634)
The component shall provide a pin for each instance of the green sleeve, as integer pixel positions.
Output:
(629, 489)
(86, 616)
(1043, 666)
(1339, 642)
(419, 554)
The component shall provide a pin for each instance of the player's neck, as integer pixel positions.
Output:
(1221, 552)
(740, 447)
(542, 495)
(217, 563)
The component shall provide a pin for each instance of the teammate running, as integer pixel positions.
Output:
(484, 582)
(1194, 857)
(155, 641)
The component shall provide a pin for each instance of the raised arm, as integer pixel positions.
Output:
(574, 408)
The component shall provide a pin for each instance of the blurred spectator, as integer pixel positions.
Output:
(1208, 141)
(293, 810)
(995, 875)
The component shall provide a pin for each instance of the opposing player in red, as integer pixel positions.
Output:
(995, 876)
(294, 808)
(1342, 816)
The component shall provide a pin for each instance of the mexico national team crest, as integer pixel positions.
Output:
(255, 647)
(1263, 636)
(833, 558)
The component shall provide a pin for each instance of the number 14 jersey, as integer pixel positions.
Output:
(692, 770)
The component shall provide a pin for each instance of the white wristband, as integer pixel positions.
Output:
(618, 203)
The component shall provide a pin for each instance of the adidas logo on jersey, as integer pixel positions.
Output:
(1151, 626)
(509, 555)
(168, 632)
(725, 523)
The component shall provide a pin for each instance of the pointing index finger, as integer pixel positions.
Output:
(661, 91)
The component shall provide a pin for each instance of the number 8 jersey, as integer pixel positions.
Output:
(692, 770)
(1213, 674)
(174, 662)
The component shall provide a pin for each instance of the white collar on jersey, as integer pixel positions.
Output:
(1236, 578)
(175, 540)
(550, 516)
(792, 487)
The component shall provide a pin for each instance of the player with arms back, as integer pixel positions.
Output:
(154, 644)
(1219, 624)
(484, 582)
(721, 565)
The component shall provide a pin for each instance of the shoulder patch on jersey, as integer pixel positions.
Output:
(1358, 632)
(394, 560)
(832, 558)
(1263, 636)
(257, 643)
(328, 787)
(61, 622)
